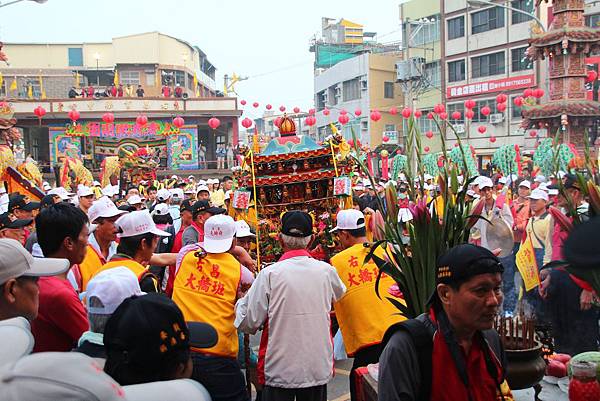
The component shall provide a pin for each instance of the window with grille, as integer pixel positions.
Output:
(456, 27)
(520, 62)
(524, 5)
(456, 71)
(478, 117)
(489, 64)
(351, 90)
(486, 20)
(388, 90)
(129, 77)
(434, 74)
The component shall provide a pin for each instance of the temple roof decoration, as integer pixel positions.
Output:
(294, 178)
(290, 144)
(287, 127)
(582, 110)
(574, 39)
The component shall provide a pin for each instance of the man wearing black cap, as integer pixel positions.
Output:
(452, 352)
(292, 300)
(201, 211)
(21, 207)
(13, 228)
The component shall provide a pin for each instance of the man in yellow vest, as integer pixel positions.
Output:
(101, 242)
(363, 317)
(138, 238)
(206, 290)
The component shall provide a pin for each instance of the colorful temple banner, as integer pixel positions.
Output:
(62, 145)
(182, 149)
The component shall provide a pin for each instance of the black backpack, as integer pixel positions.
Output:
(421, 331)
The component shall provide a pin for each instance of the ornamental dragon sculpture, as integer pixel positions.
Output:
(133, 166)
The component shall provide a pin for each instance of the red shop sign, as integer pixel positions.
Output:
(496, 85)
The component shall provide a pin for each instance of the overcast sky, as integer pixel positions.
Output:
(266, 40)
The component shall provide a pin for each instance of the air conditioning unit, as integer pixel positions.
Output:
(459, 128)
(496, 118)
(364, 84)
(324, 97)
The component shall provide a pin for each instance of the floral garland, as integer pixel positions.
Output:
(456, 156)
(505, 159)
(544, 157)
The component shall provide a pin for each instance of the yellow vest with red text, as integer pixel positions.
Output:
(362, 316)
(92, 263)
(205, 289)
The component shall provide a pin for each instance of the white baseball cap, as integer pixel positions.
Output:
(349, 219)
(109, 190)
(202, 182)
(111, 287)
(134, 200)
(525, 184)
(538, 194)
(428, 177)
(485, 182)
(83, 190)
(190, 177)
(242, 229)
(17, 262)
(202, 188)
(103, 207)
(137, 223)
(553, 191)
(163, 194)
(161, 209)
(174, 176)
(472, 194)
(62, 192)
(540, 178)
(177, 193)
(45, 186)
(219, 231)
(503, 180)
(96, 183)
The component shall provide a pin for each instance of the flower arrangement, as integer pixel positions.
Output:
(434, 228)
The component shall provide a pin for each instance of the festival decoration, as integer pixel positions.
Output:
(456, 115)
(482, 129)
(269, 107)
(375, 115)
(443, 115)
(129, 167)
(108, 118)
(469, 114)
(343, 112)
(141, 120)
(326, 111)
(247, 123)
(406, 112)
(518, 101)
(506, 159)
(214, 122)
(591, 76)
(310, 120)
(343, 119)
(463, 156)
(398, 165)
(470, 104)
(357, 112)
(418, 113)
(296, 109)
(430, 116)
(426, 148)
(429, 134)
(277, 122)
(39, 112)
(243, 102)
(393, 110)
(178, 122)
(533, 133)
(501, 107)
(538, 93)
(485, 110)
(430, 163)
(527, 93)
(439, 108)
(384, 164)
(544, 156)
(501, 98)
(385, 138)
(282, 108)
(255, 105)
(492, 139)
(73, 115)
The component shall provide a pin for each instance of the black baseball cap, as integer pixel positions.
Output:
(205, 206)
(296, 223)
(19, 201)
(569, 181)
(581, 247)
(7, 222)
(462, 262)
(48, 200)
(146, 330)
(186, 205)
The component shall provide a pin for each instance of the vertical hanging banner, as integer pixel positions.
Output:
(527, 264)
(182, 149)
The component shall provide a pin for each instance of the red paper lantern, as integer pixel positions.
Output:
(268, 107)
(357, 112)
(246, 123)
(178, 122)
(430, 115)
(141, 120)
(426, 149)
(296, 109)
(351, 142)
(439, 108)
(538, 93)
(533, 133)
(591, 76)
(343, 112)
(469, 114)
(393, 110)
(214, 122)
(375, 115)
(528, 93)
(485, 110)
(343, 119)
(470, 103)
(243, 102)
(311, 112)
(456, 115)
(501, 98)
(492, 139)
(456, 144)
(398, 152)
(277, 122)
(418, 113)
(429, 134)
(443, 115)
(385, 138)
(482, 129)
(518, 101)
(501, 107)
(310, 121)
(282, 108)
(255, 105)
(74, 115)
(39, 111)
(406, 112)
(326, 112)
(108, 118)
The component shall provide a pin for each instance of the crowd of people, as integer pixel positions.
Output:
(160, 284)
(120, 90)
